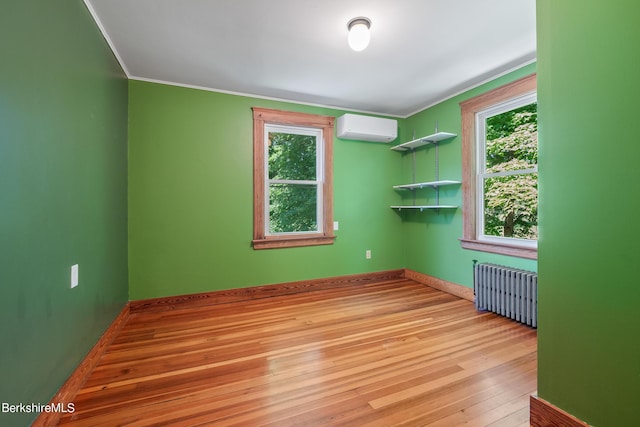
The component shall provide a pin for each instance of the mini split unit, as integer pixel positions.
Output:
(367, 128)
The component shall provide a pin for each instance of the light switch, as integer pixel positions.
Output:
(74, 275)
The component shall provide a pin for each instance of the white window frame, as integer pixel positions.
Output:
(481, 166)
(318, 182)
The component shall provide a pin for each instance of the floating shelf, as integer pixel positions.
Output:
(425, 140)
(424, 207)
(432, 184)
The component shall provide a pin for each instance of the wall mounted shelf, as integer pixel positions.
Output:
(424, 207)
(411, 146)
(432, 184)
(425, 140)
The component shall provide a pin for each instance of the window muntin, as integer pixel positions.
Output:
(506, 181)
(314, 184)
(294, 180)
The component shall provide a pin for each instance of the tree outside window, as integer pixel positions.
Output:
(510, 179)
(294, 184)
(499, 170)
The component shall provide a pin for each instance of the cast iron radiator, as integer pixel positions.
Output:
(507, 291)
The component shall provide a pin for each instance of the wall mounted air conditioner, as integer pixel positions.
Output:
(366, 128)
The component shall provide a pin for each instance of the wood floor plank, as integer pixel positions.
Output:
(387, 353)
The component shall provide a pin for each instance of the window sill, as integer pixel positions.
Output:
(516, 251)
(292, 242)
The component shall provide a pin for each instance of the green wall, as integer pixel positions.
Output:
(63, 195)
(589, 299)
(190, 210)
(431, 239)
(191, 198)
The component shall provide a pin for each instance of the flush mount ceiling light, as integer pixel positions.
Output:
(359, 33)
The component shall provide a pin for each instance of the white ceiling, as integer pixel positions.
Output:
(421, 51)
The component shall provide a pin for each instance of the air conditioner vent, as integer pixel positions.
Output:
(367, 128)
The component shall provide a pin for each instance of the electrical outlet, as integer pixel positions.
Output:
(367, 254)
(335, 225)
(74, 275)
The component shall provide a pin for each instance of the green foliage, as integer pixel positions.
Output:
(511, 202)
(292, 156)
(292, 207)
(505, 124)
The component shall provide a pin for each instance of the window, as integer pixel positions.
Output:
(500, 155)
(293, 179)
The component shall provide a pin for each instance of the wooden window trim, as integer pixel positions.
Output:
(262, 116)
(469, 109)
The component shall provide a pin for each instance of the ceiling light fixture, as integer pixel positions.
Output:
(359, 33)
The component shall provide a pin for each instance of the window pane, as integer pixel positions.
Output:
(512, 137)
(511, 206)
(292, 156)
(292, 208)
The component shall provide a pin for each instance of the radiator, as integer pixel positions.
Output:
(507, 291)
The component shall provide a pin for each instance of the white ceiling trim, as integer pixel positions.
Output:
(473, 86)
(112, 46)
(269, 98)
(338, 107)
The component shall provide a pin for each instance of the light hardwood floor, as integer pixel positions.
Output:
(391, 353)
